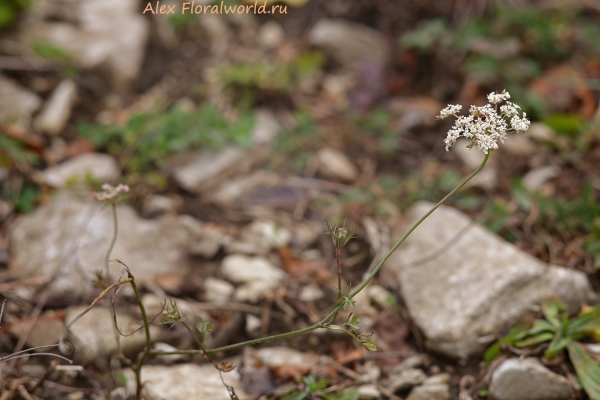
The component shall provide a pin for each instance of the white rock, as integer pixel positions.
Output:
(335, 165)
(527, 379)
(412, 362)
(440, 379)
(231, 190)
(168, 358)
(350, 43)
(368, 392)
(280, 355)
(72, 235)
(520, 144)
(475, 287)
(379, 296)
(100, 167)
(535, 179)
(16, 103)
(311, 292)
(187, 381)
(241, 269)
(406, 379)
(155, 205)
(217, 290)
(267, 235)
(205, 239)
(256, 274)
(541, 132)
(93, 335)
(253, 324)
(57, 110)
(430, 392)
(209, 168)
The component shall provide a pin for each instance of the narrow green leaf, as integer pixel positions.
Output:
(587, 369)
(536, 339)
(556, 346)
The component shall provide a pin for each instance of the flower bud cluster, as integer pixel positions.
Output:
(486, 125)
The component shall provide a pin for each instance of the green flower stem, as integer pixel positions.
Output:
(423, 218)
(114, 238)
(333, 313)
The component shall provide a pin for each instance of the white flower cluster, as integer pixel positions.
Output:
(485, 126)
(109, 192)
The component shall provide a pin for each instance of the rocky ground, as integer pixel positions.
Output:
(239, 135)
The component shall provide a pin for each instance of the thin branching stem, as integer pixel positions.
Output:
(332, 314)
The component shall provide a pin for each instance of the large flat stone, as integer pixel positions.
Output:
(69, 237)
(470, 282)
(527, 379)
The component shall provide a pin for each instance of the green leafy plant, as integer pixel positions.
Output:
(146, 140)
(561, 333)
(310, 388)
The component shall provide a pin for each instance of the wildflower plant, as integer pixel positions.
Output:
(485, 126)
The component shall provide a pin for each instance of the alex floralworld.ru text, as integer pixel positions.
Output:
(192, 8)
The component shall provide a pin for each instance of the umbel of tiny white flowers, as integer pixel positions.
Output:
(487, 125)
(109, 193)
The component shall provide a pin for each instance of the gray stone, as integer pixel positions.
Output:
(477, 285)
(187, 381)
(155, 205)
(257, 276)
(416, 361)
(535, 179)
(350, 43)
(334, 164)
(57, 110)
(71, 236)
(406, 379)
(439, 379)
(541, 132)
(209, 168)
(430, 392)
(519, 144)
(16, 103)
(93, 335)
(109, 34)
(231, 190)
(99, 167)
(205, 239)
(527, 379)
(217, 290)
